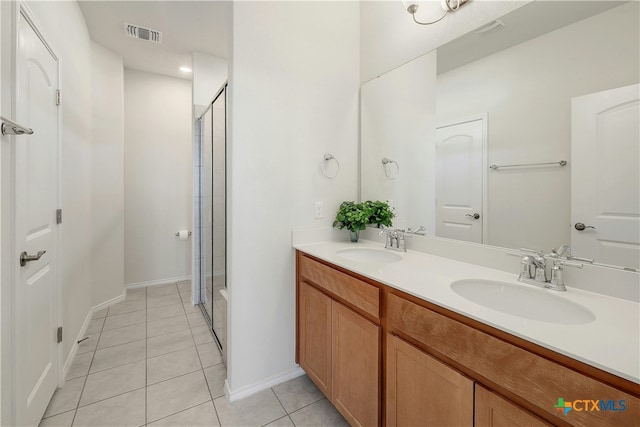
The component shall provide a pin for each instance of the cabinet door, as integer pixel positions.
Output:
(495, 411)
(421, 391)
(356, 367)
(315, 336)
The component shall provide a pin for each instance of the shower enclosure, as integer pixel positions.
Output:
(212, 218)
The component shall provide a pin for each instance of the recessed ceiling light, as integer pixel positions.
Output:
(185, 69)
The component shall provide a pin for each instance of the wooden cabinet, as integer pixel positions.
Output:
(337, 347)
(532, 377)
(421, 391)
(492, 410)
(314, 323)
(356, 366)
(437, 362)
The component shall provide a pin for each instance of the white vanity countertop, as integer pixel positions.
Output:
(611, 342)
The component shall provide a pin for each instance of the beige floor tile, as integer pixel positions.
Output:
(95, 326)
(256, 410)
(163, 300)
(297, 393)
(122, 336)
(215, 376)
(136, 294)
(127, 307)
(167, 343)
(122, 411)
(165, 312)
(119, 355)
(199, 416)
(63, 420)
(159, 290)
(80, 365)
(209, 354)
(168, 325)
(196, 319)
(281, 422)
(65, 398)
(190, 308)
(172, 365)
(121, 320)
(175, 395)
(113, 382)
(321, 413)
(184, 285)
(185, 296)
(202, 334)
(100, 314)
(89, 345)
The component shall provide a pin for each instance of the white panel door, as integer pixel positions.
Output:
(605, 178)
(459, 183)
(36, 196)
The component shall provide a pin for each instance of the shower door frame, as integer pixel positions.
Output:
(202, 242)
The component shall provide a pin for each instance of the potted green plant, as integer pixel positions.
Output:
(356, 216)
(352, 216)
(380, 213)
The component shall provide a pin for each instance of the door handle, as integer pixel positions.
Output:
(474, 216)
(25, 257)
(580, 226)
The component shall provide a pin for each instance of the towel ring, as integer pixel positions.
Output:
(326, 159)
(385, 162)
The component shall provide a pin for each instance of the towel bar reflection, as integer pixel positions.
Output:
(9, 127)
(496, 167)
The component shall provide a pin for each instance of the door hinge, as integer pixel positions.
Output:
(58, 97)
(58, 216)
(59, 334)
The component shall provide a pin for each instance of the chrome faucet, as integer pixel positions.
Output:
(533, 268)
(395, 240)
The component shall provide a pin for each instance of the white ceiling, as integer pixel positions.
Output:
(186, 26)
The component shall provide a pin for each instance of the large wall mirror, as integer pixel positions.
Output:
(523, 133)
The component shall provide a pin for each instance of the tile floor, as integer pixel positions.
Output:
(151, 361)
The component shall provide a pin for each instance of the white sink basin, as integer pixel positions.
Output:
(370, 255)
(523, 301)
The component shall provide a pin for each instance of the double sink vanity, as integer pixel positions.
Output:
(411, 339)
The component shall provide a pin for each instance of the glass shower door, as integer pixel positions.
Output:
(213, 211)
(206, 204)
(219, 228)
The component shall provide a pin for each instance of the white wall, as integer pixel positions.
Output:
(209, 74)
(397, 121)
(293, 95)
(531, 208)
(158, 176)
(107, 175)
(390, 38)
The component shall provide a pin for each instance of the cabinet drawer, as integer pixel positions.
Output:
(532, 380)
(362, 295)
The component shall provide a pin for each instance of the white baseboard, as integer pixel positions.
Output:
(157, 282)
(249, 390)
(74, 349)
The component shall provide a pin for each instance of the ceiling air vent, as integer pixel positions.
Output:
(143, 33)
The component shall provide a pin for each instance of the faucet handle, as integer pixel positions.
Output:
(563, 262)
(532, 251)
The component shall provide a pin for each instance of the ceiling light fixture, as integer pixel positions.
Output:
(186, 69)
(447, 5)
